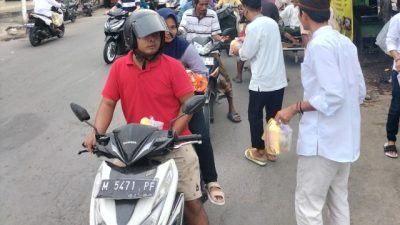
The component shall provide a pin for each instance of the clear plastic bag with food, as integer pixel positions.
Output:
(277, 137)
(151, 122)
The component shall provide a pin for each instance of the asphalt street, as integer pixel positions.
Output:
(44, 181)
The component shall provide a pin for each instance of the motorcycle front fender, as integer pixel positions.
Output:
(109, 37)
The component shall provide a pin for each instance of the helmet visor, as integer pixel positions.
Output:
(149, 24)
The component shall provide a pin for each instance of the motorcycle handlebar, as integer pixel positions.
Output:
(193, 137)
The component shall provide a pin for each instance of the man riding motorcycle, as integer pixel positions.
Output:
(151, 84)
(43, 7)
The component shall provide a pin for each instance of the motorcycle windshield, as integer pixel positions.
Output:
(131, 138)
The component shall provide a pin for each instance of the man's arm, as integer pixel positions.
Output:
(181, 123)
(103, 119)
(54, 3)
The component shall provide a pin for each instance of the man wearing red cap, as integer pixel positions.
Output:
(329, 130)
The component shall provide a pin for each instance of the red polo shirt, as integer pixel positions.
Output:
(153, 92)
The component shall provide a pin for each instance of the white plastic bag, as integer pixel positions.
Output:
(277, 137)
(381, 38)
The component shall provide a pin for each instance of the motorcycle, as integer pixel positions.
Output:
(130, 187)
(87, 8)
(41, 27)
(206, 47)
(113, 29)
(228, 23)
(70, 9)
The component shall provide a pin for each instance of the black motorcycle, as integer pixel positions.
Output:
(87, 7)
(41, 27)
(114, 31)
(205, 47)
(70, 9)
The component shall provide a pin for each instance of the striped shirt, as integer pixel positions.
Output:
(205, 27)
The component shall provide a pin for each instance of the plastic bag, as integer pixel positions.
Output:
(151, 122)
(199, 81)
(277, 137)
(381, 38)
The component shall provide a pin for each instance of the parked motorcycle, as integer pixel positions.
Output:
(113, 29)
(70, 9)
(41, 27)
(87, 7)
(130, 187)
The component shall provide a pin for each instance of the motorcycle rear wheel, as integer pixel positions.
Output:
(110, 51)
(34, 38)
(61, 34)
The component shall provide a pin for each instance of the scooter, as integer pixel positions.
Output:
(205, 47)
(41, 27)
(130, 187)
(113, 29)
(70, 9)
(87, 8)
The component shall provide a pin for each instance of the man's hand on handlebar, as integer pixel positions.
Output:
(90, 142)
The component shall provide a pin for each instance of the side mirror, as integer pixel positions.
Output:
(194, 104)
(82, 115)
(80, 112)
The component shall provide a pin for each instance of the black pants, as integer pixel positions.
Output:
(204, 151)
(272, 102)
(392, 124)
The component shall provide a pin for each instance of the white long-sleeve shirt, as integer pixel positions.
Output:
(334, 85)
(393, 35)
(43, 6)
(262, 47)
(290, 16)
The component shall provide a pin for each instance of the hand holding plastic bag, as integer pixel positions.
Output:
(277, 137)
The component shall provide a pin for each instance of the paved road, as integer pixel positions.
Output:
(43, 180)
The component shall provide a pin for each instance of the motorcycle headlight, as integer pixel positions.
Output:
(160, 199)
(164, 186)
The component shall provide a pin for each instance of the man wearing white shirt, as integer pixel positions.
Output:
(291, 23)
(43, 7)
(329, 130)
(263, 49)
(392, 124)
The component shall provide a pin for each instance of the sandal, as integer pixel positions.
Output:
(390, 151)
(215, 193)
(249, 155)
(237, 80)
(234, 117)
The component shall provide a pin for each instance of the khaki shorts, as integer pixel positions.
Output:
(188, 169)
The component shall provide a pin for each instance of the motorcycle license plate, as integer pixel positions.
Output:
(208, 61)
(30, 25)
(127, 188)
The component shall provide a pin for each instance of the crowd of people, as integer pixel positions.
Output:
(153, 75)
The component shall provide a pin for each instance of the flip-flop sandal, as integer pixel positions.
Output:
(389, 150)
(249, 155)
(213, 194)
(237, 80)
(234, 117)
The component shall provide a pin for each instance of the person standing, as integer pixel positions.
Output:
(392, 124)
(270, 10)
(329, 130)
(263, 49)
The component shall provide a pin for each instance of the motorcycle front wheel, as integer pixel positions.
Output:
(110, 51)
(34, 38)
